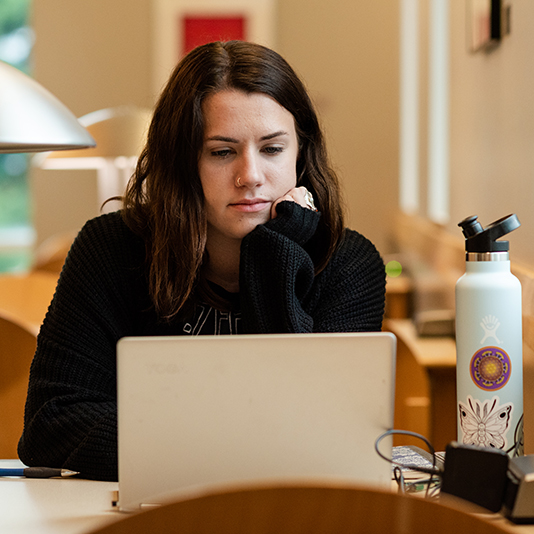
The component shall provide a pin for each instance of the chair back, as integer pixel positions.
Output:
(25, 298)
(50, 255)
(302, 510)
(18, 342)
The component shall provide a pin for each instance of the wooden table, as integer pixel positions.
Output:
(74, 506)
(62, 506)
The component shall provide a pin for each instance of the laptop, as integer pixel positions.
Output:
(200, 412)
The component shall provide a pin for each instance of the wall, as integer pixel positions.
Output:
(348, 54)
(97, 54)
(492, 127)
(91, 55)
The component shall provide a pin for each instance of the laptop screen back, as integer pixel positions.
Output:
(195, 412)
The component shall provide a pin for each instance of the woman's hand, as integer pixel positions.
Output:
(300, 195)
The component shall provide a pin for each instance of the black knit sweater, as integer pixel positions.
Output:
(102, 295)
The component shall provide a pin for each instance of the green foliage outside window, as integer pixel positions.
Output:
(14, 14)
(16, 40)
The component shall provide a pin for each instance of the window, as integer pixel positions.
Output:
(16, 233)
(413, 182)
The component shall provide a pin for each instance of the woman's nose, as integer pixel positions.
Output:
(249, 172)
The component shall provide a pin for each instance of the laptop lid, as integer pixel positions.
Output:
(195, 412)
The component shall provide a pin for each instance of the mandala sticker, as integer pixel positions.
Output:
(490, 368)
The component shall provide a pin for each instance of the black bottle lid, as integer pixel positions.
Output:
(478, 239)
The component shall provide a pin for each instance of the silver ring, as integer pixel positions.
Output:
(238, 181)
(308, 198)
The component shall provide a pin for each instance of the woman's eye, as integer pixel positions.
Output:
(273, 149)
(222, 153)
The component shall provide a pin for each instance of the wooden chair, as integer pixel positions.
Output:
(425, 387)
(51, 253)
(17, 347)
(412, 396)
(25, 298)
(301, 510)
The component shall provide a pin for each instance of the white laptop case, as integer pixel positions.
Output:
(195, 412)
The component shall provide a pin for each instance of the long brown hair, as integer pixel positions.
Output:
(164, 202)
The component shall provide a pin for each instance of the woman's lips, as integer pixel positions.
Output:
(251, 205)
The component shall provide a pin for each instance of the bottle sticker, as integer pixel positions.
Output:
(490, 368)
(519, 442)
(485, 423)
(489, 324)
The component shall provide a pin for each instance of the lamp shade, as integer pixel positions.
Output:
(119, 132)
(34, 120)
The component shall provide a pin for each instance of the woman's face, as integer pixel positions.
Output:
(247, 161)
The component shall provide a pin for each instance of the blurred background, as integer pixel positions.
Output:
(428, 110)
(417, 120)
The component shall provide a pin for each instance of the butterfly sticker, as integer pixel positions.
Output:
(485, 424)
(518, 447)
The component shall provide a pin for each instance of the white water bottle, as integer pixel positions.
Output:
(489, 366)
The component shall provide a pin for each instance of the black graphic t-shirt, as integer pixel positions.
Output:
(212, 322)
(209, 321)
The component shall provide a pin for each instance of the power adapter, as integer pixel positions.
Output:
(519, 498)
(476, 474)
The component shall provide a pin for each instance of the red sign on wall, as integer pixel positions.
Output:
(199, 30)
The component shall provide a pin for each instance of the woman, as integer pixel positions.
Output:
(232, 223)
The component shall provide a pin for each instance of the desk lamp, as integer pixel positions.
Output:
(32, 119)
(120, 134)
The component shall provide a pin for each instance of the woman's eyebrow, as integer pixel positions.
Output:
(273, 135)
(232, 140)
(221, 138)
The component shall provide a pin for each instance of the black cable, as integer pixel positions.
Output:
(399, 478)
(397, 471)
(433, 471)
